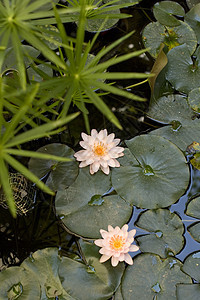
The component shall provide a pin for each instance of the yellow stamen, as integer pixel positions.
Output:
(117, 242)
(99, 149)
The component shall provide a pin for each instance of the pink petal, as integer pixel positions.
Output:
(91, 170)
(133, 248)
(131, 233)
(94, 133)
(110, 138)
(84, 145)
(110, 228)
(83, 164)
(125, 228)
(104, 233)
(95, 166)
(111, 162)
(104, 258)
(85, 136)
(99, 242)
(105, 170)
(128, 259)
(114, 261)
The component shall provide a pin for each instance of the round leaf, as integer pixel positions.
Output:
(155, 34)
(166, 230)
(193, 99)
(164, 11)
(174, 110)
(62, 174)
(188, 291)
(192, 3)
(152, 278)
(153, 173)
(15, 282)
(194, 230)
(84, 208)
(180, 62)
(96, 281)
(44, 264)
(191, 266)
(193, 18)
(193, 208)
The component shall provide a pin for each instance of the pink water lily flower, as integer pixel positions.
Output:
(100, 151)
(116, 244)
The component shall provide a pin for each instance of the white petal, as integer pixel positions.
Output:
(84, 145)
(117, 164)
(116, 141)
(91, 170)
(111, 162)
(95, 166)
(125, 228)
(104, 233)
(131, 233)
(110, 138)
(106, 170)
(114, 261)
(121, 258)
(94, 133)
(83, 164)
(103, 163)
(105, 251)
(128, 259)
(89, 161)
(133, 248)
(85, 136)
(99, 242)
(110, 228)
(104, 258)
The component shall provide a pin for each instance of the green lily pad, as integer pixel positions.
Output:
(16, 282)
(155, 34)
(85, 209)
(194, 99)
(35, 74)
(166, 232)
(96, 281)
(191, 266)
(181, 62)
(50, 36)
(192, 3)
(153, 173)
(183, 129)
(62, 174)
(188, 291)
(164, 13)
(43, 265)
(193, 210)
(194, 230)
(193, 18)
(152, 278)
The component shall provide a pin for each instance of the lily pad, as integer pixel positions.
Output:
(192, 3)
(61, 174)
(193, 18)
(164, 12)
(43, 265)
(152, 278)
(194, 99)
(181, 62)
(193, 210)
(155, 34)
(85, 209)
(191, 266)
(16, 282)
(166, 232)
(153, 173)
(183, 129)
(94, 281)
(188, 291)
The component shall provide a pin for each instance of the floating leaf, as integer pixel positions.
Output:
(153, 173)
(164, 13)
(193, 208)
(188, 291)
(193, 18)
(100, 284)
(192, 3)
(61, 174)
(16, 282)
(191, 266)
(195, 161)
(155, 34)
(166, 232)
(183, 128)
(152, 278)
(181, 62)
(85, 209)
(193, 99)
(194, 230)
(43, 265)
